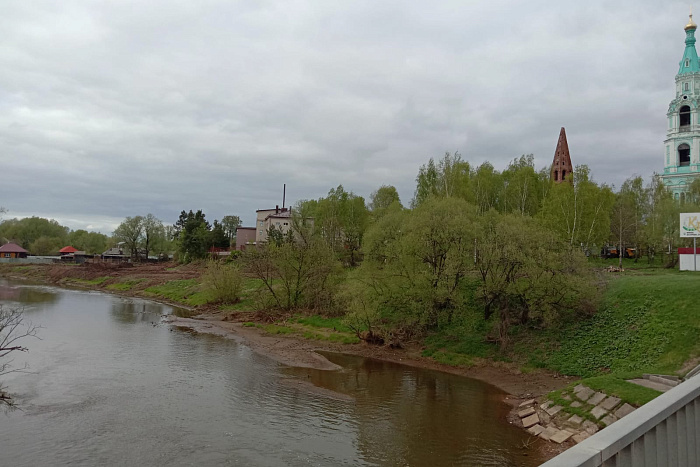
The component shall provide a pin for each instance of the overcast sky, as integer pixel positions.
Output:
(118, 108)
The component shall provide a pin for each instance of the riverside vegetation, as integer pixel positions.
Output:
(484, 266)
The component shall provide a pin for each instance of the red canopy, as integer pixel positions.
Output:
(12, 248)
(67, 249)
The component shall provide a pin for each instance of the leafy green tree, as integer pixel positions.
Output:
(230, 224)
(26, 231)
(44, 246)
(521, 187)
(579, 211)
(417, 262)
(660, 221)
(297, 273)
(193, 235)
(130, 233)
(624, 223)
(342, 219)
(529, 272)
(89, 242)
(153, 233)
(219, 239)
(638, 195)
(450, 177)
(382, 198)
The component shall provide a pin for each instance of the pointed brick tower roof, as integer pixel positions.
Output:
(561, 165)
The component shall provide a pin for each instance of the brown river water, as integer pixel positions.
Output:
(110, 385)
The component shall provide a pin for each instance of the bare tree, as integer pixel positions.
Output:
(13, 328)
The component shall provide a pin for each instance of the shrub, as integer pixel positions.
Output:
(224, 280)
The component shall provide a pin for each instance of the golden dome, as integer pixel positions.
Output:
(691, 24)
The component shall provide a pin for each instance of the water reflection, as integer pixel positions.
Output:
(408, 416)
(26, 295)
(135, 311)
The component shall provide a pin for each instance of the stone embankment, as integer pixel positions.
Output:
(587, 412)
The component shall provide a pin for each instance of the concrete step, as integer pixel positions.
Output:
(695, 371)
(647, 383)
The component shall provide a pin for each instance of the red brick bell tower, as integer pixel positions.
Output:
(561, 165)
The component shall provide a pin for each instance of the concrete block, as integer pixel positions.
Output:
(535, 429)
(546, 405)
(590, 427)
(580, 437)
(625, 410)
(527, 402)
(561, 436)
(576, 404)
(575, 419)
(662, 380)
(531, 420)
(609, 419)
(610, 403)
(566, 397)
(584, 393)
(597, 398)
(598, 411)
(554, 410)
(549, 432)
(526, 412)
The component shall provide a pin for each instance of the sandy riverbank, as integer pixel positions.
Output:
(299, 352)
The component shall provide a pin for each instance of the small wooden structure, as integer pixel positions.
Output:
(12, 250)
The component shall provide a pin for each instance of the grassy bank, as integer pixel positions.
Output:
(648, 322)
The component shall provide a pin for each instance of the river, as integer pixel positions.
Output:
(111, 385)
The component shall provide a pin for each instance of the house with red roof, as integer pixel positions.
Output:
(67, 250)
(12, 250)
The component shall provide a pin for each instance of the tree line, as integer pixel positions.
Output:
(511, 247)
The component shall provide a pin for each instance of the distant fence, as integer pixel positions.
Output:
(663, 432)
(31, 260)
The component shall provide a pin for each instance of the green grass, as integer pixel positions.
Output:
(96, 281)
(647, 324)
(616, 386)
(185, 291)
(318, 321)
(312, 328)
(125, 285)
(333, 337)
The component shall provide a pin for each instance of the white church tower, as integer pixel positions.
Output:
(682, 145)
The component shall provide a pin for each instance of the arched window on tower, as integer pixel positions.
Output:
(556, 176)
(684, 155)
(563, 174)
(685, 117)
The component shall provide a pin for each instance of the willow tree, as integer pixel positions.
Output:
(528, 272)
(416, 262)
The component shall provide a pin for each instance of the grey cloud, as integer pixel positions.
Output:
(121, 108)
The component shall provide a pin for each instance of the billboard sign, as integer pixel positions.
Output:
(690, 224)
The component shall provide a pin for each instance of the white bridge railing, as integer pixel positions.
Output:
(663, 432)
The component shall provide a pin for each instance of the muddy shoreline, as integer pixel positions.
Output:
(295, 351)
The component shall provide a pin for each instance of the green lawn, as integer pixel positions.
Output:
(185, 291)
(124, 285)
(96, 281)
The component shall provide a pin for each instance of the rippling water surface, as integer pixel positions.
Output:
(112, 386)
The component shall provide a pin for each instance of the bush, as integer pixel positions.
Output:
(225, 281)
